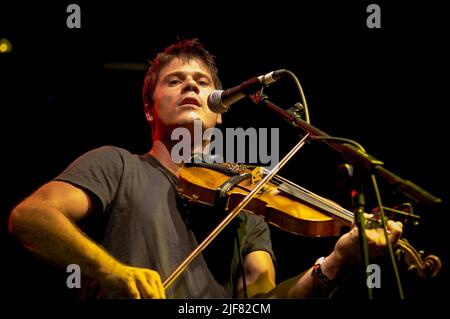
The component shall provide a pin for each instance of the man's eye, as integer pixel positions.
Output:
(203, 83)
(174, 82)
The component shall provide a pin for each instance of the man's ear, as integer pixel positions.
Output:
(148, 113)
(219, 119)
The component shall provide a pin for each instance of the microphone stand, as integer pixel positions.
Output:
(356, 156)
(360, 159)
(355, 188)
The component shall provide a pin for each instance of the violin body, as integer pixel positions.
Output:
(199, 185)
(285, 206)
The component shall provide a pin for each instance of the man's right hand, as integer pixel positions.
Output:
(131, 282)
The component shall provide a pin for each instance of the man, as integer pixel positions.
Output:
(145, 233)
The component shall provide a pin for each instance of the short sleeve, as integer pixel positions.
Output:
(258, 236)
(99, 171)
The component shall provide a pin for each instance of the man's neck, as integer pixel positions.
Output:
(162, 148)
(162, 153)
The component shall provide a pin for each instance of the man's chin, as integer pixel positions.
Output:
(187, 122)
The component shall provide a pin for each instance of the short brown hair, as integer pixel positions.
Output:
(186, 50)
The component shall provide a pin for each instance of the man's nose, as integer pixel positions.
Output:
(190, 85)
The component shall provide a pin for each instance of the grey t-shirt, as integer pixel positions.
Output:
(142, 223)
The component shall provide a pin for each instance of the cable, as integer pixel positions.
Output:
(383, 224)
(241, 265)
(302, 95)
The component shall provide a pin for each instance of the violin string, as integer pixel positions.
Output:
(319, 200)
(313, 198)
(284, 180)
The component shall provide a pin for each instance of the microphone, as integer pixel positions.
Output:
(219, 101)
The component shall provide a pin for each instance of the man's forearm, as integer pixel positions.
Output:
(307, 286)
(50, 235)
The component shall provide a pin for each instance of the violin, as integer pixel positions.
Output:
(281, 203)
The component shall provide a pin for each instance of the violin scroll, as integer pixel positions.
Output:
(427, 267)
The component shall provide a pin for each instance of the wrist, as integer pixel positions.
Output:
(329, 270)
(106, 267)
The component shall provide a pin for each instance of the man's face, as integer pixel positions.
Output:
(180, 97)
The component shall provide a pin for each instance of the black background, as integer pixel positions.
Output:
(385, 88)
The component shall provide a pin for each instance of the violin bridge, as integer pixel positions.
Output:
(257, 175)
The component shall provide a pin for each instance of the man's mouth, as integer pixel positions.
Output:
(190, 101)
